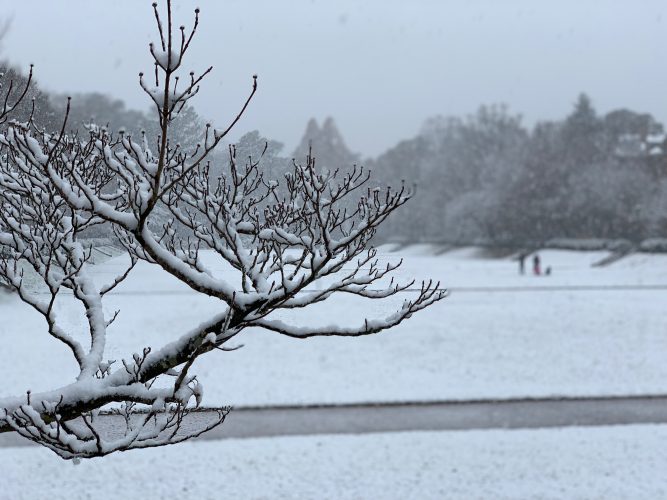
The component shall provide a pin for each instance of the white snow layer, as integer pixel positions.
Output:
(575, 463)
(474, 344)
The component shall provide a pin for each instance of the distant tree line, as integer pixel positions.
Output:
(94, 108)
(489, 179)
(485, 178)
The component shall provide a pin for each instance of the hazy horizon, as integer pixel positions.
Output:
(379, 68)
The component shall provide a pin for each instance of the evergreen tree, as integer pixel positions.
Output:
(582, 132)
(328, 146)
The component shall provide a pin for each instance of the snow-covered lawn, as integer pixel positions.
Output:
(490, 344)
(573, 463)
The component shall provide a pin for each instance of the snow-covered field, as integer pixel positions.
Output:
(575, 463)
(474, 344)
(513, 339)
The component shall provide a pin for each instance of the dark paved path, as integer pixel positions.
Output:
(436, 416)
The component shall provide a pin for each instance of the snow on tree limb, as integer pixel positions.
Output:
(165, 208)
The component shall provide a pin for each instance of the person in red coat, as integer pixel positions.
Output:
(536, 265)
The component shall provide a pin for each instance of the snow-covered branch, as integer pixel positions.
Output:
(293, 242)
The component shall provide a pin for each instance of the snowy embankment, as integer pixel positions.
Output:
(573, 463)
(475, 344)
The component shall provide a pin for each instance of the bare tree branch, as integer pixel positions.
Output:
(165, 208)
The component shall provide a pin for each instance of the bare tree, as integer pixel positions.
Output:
(280, 239)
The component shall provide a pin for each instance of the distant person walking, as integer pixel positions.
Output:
(522, 262)
(536, 265)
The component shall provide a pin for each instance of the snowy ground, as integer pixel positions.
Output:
(574, 463)
(475, 344)
(481, 344)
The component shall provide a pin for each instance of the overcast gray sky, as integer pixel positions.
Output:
(379, 67)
